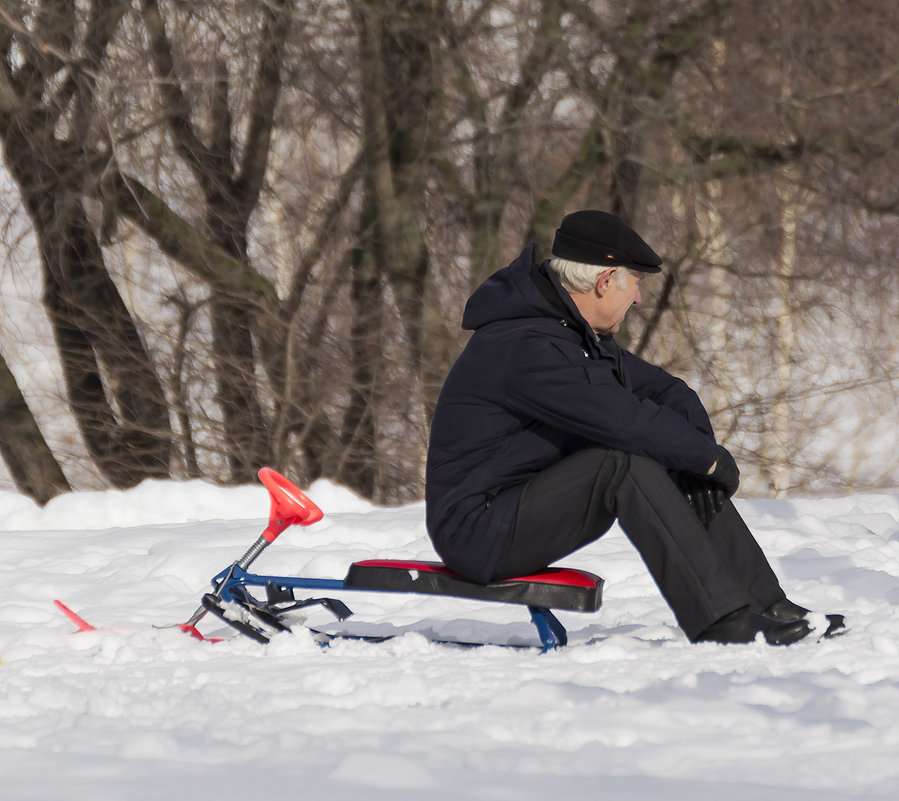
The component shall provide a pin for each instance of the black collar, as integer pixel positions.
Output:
(547, 288)
(550, 287)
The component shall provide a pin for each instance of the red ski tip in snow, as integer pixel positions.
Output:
(80, 622)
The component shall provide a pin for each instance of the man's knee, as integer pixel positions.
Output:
(643, 465)
(605, 470)
(591, 460)
(646, 481)
(601, 472)
(621, 461)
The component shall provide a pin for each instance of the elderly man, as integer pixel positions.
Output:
(546, 431)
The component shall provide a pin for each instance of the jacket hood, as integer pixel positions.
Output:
(519, 291)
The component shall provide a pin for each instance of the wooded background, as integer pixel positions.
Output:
(242, 233)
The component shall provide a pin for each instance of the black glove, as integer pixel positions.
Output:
(725, 472)
(706, 497)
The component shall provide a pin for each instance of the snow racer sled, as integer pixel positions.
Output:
(260, 606)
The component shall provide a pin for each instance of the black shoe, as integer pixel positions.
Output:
(744, 624)
(787, 612)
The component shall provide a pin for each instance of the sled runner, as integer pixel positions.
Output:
(232, 598)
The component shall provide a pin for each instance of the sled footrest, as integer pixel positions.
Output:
(552, 588)
(283, 599)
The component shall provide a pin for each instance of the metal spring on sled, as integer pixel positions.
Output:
(254, 550)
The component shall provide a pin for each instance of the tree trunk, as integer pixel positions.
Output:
(248, 441)
(230, 188)
(358, 466)
(399, 84)
(31, 464)
(113, 388)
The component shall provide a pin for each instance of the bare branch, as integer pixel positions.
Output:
(266, 89)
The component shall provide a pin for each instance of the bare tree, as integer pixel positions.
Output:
(324, 190)
(47, 75)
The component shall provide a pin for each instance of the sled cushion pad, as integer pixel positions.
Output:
(552, 588)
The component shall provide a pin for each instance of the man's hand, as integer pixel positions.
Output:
(705, 496)
(724, 471)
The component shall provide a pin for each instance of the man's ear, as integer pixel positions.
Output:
(604, 281)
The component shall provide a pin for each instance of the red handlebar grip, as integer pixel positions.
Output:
(290, 505)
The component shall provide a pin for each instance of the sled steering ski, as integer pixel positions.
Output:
(260, 606)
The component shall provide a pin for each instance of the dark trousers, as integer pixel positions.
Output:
(702, 573)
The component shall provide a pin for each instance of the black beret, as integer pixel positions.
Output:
(597, 237)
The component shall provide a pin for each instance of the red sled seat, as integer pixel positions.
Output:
(552, 588)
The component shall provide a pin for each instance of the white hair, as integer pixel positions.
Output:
(578, 277)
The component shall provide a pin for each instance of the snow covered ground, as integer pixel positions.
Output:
(630, 711)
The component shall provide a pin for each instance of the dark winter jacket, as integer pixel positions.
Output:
(533, 385)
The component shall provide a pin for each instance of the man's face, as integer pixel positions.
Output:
(614, 301)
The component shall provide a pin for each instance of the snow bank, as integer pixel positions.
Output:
(630, 711)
